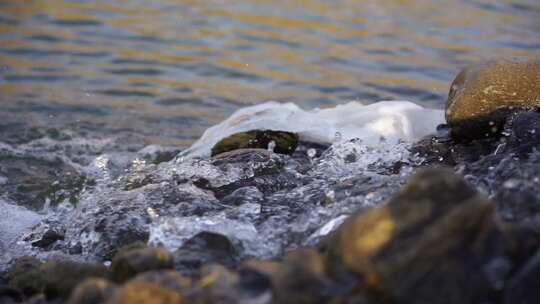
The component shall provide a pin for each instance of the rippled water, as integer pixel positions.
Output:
(166, 70)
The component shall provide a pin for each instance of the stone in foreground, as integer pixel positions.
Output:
(434, 242)
(482, 96)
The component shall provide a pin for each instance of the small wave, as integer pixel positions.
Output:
(392, 120)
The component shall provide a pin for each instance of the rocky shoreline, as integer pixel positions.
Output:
(464, 227)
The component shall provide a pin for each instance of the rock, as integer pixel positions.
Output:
(301, 279)
(31, 181)
(126, 264)
(523, 287)
(145, 293)
(165, 278)
(261, 169)
(283, 142)
(219, 285)
(27, 276)
(49, 237)
(482, 96)
(433, 242)
(61, 277)
(92, 291)
(10, 295)
(204, 248)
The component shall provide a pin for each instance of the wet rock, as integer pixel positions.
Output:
(433, 242)
(27, 276)
(31, 181)
(92, 291)
(482, 96)
(282, 142)
(299, 278)
(61, 277)
(127, 264)
(145, 293)
(259, 168)
(48, 238)
(523, 287)
(219, 285)
(165, 278)
(202, 249)
(10, 295)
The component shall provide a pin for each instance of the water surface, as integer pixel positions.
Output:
(166, 70)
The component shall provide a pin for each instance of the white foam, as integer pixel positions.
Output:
(15, 221)
(393, 120)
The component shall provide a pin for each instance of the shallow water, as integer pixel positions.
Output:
(167, 70)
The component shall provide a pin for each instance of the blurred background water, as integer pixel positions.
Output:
(168, 69)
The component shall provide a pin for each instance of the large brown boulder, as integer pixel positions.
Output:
(482, 96)
(434, 242)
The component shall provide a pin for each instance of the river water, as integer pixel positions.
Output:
(167, 70)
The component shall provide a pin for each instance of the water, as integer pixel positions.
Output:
(167, 70)
(98, 98)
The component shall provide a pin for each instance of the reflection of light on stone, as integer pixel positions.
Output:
(152, 213)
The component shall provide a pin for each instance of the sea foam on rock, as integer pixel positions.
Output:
(392, 120)
(484, 95)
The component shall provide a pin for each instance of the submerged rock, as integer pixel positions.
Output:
(482, 96)
(436, 235)
(278, 141)
(32, 181)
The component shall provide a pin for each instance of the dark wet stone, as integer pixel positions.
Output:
(165, 278)
(49, 237)
(61, 277)
(202, 249)
(9, 295)
(482, 96)
(27, 276)
(120, 225)
(284, 142)
(219, 285)
(301, 278)
(436, 235)
(262, 169)
(127, 264)
(92, 291)
(31, 181)
(243, 195)
(523, 287)
(145, 293)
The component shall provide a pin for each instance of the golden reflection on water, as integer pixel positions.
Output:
(128, 55)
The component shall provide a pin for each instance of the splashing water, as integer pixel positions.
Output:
(265, 203)
(393, 120)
